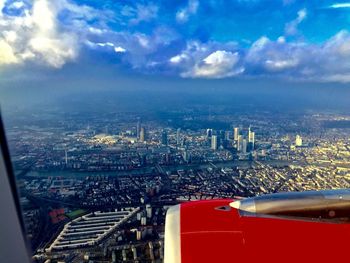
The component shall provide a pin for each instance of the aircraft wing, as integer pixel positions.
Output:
(214, 231)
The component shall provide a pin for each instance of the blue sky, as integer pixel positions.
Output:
(213, 39)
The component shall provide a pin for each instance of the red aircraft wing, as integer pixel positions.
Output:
(212, 231)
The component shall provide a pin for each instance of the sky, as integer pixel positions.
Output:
(288, 40)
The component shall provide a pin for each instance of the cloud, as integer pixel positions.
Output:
(178, 58)
(109, 45)
(288, 2)
(52, 33)
(143, 13)
(329, 61)
(326, 62)
(291, 28)
(208, 60)
(119, 50)
(339, 5)
(277, 65)
(2, 4)
(35, 34)
(269, 56)
(7, 55)
(218, 64)
(183, 14)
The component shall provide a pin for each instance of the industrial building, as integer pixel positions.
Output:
(90, 229)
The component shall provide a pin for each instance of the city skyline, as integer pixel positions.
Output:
(115, 111)
(79, 167)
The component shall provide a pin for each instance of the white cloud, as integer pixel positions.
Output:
(329, 61)
(253, 54)
(119, 50)
(339, 44)
(143, 40)
(9, 36)
(54, 51)
(301, 15)
(277, 65)
(260, 43)
(97, 31)
(218, 64)
(35, 35)
(183, 15)
(140, 13)
(7, 55)
(291, 28)
(107, 44)
(281, 40)
(145, 13)
(178, 58)
(340, 5)
(2, 4)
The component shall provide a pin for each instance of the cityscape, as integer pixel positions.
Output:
(99, 189)
(122, 115)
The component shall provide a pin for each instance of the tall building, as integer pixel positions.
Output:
(164, 137)
(239, 143)
(209, 133)
(251, 139)
(143, 134)
(186, 156)
(214, 142)
(235, 133)
(178, 139)
(244, 146)
(227, 135)
(149, 211)
(298, 141)
(138, 129)
(66, 156)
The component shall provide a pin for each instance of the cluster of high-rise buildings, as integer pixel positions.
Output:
(141, 134)
(243, 140)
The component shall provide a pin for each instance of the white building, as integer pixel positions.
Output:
(298, 141)
(214, 142)
(235, 133)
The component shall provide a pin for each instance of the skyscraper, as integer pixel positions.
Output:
(235, 133)
(164, 137)
(214, 142)
(186, 156)
(178, 139)
(143, 134)
(251, 139)
(227, 135)
(138, 129)
(239, 143)
(209, 133)
(244, 146)
(66, 156)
